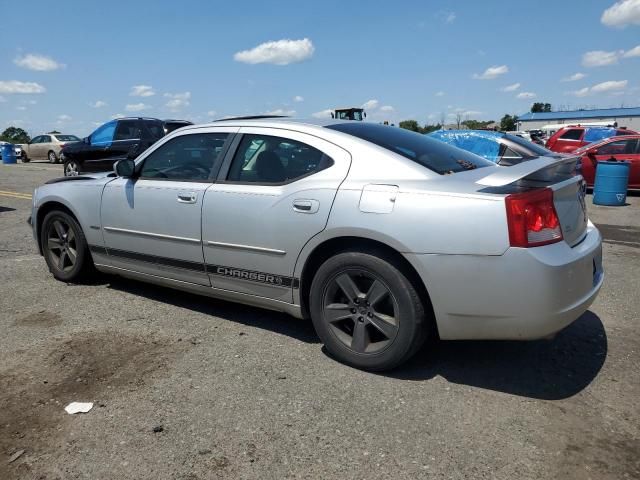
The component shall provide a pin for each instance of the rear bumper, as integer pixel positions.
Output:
(525, 294)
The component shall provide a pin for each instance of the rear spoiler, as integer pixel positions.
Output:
(541, 169)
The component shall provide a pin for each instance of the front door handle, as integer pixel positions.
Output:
(304, 205)
(187, 197)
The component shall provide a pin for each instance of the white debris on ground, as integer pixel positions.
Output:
(78, 407)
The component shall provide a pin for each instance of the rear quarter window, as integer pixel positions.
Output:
(572, 134)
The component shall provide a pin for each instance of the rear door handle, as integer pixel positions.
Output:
(187, 197)
(303, 205)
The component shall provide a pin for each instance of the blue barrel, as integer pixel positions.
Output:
(8, 153)
(610, 186)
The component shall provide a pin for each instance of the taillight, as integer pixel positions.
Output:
(532, 219)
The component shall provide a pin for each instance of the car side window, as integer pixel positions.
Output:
(104, 134)
(187, 157)
(265, 159)
(45, 139)
(572, 134)
(127, 130)
(619, 147)
(36, 140)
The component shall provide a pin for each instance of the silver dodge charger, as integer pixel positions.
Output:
(383, 237)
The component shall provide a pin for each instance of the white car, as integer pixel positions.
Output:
(46, 147)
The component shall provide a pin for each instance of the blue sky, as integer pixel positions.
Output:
(90, 61)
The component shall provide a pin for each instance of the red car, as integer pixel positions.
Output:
(572, 137)
(625, 147)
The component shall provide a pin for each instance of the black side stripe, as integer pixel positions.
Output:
(220, 270)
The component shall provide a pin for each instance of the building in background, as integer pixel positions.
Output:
(623, 117)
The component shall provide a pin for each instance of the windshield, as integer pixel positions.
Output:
(67, 138)
(430, 153)
(536, 150)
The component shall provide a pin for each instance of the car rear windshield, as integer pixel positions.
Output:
(433, 154)
(537, 150)
(67, 138)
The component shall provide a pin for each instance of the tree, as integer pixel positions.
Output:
(14, 135)
(476, 124)
(540, 107)
(458, 120)
(410, 125)
(509, 123)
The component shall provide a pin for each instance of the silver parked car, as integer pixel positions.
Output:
(380, 235)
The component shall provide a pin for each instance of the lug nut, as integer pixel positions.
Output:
(360, 319)
(356, 301)
(353, 310)
(370, 314)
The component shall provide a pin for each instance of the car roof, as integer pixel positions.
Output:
(273, 121)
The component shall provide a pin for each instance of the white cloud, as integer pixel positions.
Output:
(611, 85)
(37, 62)
(98, 104)
(178, 100)
(21, 108)
(281, 111)
(15, 86)
(468, 113)
(211, 113)
(583, 92)
(387, 108)
(526, 95)
(64, 118)
(136, 107)
(575, 77)
(142, 91)
(492, 72)
(370, 104)
(511, 88)
(323, 113)
(117, 115)
(440, 94)
(450, 17)
(621, 14)
(298, 98)
(634, 52)
(281, 52)
(600, 58)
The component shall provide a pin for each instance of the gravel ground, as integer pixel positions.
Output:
(194, 388)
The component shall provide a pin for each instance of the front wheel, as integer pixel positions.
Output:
(366, 311)
(71, 168)
(24, 158)
(64, 247)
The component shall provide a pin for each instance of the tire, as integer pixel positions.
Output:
(71, 168)
(24, 158)
(384, 328)
(62, 238)
(52, 157)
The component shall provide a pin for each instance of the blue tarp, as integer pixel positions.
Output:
(597, 134)
(480, 142)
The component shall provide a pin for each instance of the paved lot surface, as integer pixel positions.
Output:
(243, 393)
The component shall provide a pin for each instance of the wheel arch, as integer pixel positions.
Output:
(348, 243)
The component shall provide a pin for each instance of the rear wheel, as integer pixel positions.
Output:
(71, 168)
(53, 158)
(366, 311)
(65, 247)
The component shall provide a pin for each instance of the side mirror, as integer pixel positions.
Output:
(87, 140)
(125, 168)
